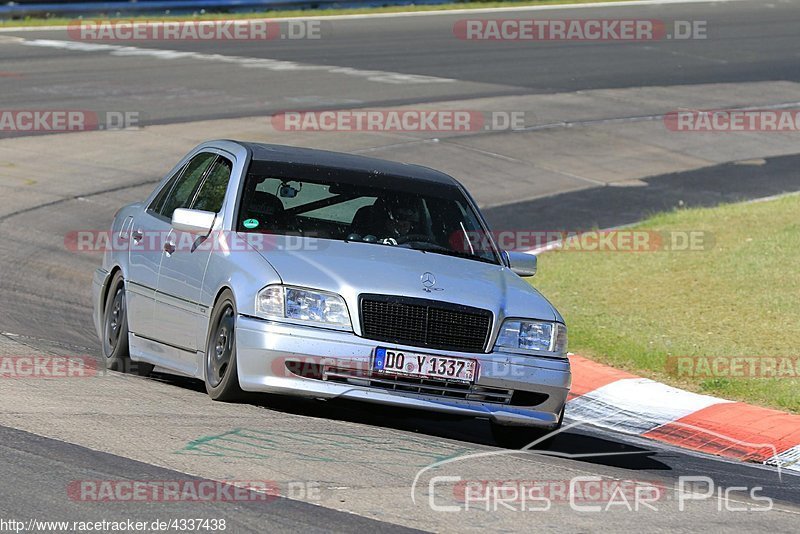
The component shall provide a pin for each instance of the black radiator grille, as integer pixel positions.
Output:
(425, 323)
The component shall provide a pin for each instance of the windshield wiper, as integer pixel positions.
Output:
(438, 249)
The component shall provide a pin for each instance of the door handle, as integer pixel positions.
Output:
(169, 248)
(137, 235)
(124, 232)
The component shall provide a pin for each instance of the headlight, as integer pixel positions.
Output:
(306, 305)
(537, 336)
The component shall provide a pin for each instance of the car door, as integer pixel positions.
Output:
(148, 233)
(144, 258)
(179, 316)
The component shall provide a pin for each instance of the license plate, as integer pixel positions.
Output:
(400, 362)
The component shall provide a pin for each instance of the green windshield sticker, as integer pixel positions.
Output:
(250, 223)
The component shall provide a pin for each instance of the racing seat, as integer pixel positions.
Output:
(267, 209)
(370, 220)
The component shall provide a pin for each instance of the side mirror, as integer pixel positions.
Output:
(193, 221)
(521, 263)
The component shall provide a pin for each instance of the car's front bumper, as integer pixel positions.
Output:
(264, 347)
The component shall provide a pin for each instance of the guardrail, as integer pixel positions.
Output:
(23, 8)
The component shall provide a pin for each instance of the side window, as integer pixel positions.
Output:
(158, 202)
(212, 192)
(182, 192)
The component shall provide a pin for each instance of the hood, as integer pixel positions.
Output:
(352, 268)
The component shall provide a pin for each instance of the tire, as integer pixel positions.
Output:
(115, 326)
(115, 331)
(519, 437)
(221, 373)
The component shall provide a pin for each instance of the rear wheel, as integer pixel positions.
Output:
(222, 380)
(518, 437)
(115, 331)
(115, 326)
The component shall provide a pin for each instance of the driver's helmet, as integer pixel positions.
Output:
(404, 216)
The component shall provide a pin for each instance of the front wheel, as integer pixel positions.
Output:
(519, 437)
(222, 380)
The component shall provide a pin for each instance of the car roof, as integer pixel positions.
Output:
(325, 158)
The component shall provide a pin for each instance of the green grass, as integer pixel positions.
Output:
(741, 297)
(63, 21)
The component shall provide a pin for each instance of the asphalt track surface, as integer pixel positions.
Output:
(752, 42)
(65, 462)
(747, 41)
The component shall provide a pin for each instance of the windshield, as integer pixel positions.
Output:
(408, 214)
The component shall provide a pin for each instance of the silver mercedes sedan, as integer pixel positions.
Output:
(276, 269)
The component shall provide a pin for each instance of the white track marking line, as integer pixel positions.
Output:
(395, 78)
(465, 11)
(637, 405)
(788, 459)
